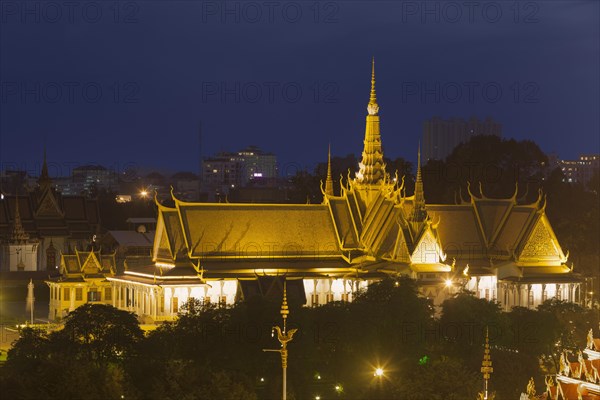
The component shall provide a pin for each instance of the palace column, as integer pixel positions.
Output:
(154, 303)
(118, 294)
(72, 299)
(570, 289)
(544, 293)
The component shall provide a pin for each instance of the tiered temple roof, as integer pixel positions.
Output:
(46, 213)
(370, 228)
(85, 265)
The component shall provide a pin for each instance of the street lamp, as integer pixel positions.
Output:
(378, 372)
(284, 337)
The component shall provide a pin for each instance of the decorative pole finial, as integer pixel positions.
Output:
(284, 307)
(486, 368)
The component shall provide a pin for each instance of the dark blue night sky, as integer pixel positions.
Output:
(127, 83)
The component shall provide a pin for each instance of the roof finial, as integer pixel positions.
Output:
(419, 212)
(19, 236)
(329, 181)
(44, 179)
(373, 107)
(419, 162)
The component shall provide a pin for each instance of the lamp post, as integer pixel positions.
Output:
(284, 336)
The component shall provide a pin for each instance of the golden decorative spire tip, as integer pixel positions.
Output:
(373, 107)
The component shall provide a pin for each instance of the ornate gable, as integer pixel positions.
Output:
(541, 245)
(91, 264)
(428, 249)
(48, 206)
(401, 252)
(162, 247)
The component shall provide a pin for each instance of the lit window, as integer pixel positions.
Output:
(78, 294)
(93, 295)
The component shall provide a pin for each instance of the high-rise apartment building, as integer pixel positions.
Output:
(227, 170)
(440, 136)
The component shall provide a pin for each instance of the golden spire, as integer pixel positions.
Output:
(419, 212)
(19, 235)
(371, 167)
(329, 181)
(373, 107)
(486, 369)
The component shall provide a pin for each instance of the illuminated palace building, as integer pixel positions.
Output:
(500, 249)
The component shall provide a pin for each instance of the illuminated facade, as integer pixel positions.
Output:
(219, 252)
(83, 279)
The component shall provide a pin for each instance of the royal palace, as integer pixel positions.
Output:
(365, 229)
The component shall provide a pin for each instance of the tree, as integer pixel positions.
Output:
(102, 332)
(495, 162)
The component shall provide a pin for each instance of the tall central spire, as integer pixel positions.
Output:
(372, 168)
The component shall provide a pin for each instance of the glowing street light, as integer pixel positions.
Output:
(448, 283)
(378, 372)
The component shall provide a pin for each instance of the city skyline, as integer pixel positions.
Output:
(297, 92)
